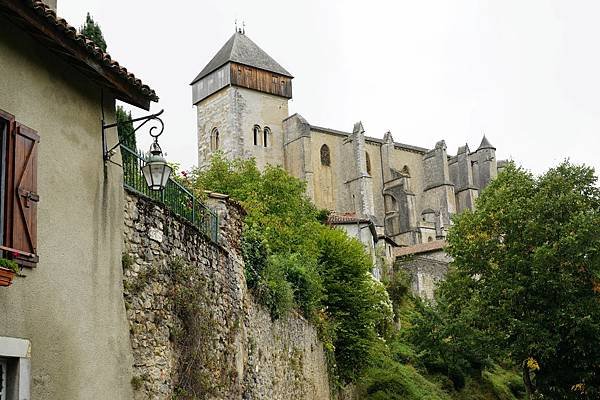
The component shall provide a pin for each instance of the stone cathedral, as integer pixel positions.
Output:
(405, 193)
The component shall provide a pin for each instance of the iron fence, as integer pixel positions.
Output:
(174, 196)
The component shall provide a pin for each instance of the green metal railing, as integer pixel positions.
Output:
(174, 196)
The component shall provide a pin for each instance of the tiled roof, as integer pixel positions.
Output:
(420, 248)
(240, 49)
(49, 23)
(346, 218)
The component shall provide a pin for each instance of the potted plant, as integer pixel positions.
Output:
(8, 270)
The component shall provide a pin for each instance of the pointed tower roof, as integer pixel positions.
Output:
(240, 49)
(485, 144)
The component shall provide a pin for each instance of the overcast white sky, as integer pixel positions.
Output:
(525, 72)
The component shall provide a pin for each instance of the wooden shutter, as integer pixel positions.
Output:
(22, 196)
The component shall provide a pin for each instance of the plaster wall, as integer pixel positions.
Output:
(71, 306)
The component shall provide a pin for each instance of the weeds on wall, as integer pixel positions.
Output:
(194, 335)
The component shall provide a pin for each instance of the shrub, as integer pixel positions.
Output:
(255, 254)
(396, 381)
(351, 299)
(274, 291)
(306, 282)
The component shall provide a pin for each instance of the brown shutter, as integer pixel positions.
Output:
(22, 196)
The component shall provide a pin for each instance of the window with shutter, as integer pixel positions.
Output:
(18, 182)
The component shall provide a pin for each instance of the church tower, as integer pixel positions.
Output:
(241, 97)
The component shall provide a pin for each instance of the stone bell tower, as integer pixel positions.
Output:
(241, 97)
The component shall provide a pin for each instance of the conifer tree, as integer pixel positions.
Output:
(125, 128)
(93, 32)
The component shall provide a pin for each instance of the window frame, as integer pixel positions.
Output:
(325, 155)
(214, 139)
(16, 356)
(266, 135)
(256, 134)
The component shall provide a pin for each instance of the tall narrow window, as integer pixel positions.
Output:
(325, 156)
(368, 163)
(266, 136)
(214, 139)
(256, 133)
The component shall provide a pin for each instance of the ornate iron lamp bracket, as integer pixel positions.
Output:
(160, 126)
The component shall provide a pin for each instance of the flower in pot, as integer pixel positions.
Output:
(8, 270)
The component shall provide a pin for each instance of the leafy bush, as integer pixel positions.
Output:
(444, 345)
(293, 259)
(255, 254)
(397, 381)
(352, 300)
(274, 291)
(301, 272)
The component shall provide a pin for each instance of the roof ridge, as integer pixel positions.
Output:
(242, 50)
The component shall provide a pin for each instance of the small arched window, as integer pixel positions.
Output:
(325, 156)
(256, 133)
(368, 163)
(266, 136)
(214, 139)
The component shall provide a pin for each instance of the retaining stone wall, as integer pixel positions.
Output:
(244, 355)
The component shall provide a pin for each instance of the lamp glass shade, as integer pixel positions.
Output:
(156, 172)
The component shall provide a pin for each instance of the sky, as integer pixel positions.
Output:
(524, 72)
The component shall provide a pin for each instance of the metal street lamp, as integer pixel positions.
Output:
(156, 171)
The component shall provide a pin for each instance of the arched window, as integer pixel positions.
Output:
(266, 136)
(325, 156)
(368, 163)
(214, 139)
(256, 133)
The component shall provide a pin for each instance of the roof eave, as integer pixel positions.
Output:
(37, 24)
(202, 76)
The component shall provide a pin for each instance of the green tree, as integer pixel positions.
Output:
(356, 303)
(125, 128)
(525, 277)
(93, 32)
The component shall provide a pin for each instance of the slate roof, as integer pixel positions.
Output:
(240, 49)
(71, 45)
(485, 144)
(345, 218)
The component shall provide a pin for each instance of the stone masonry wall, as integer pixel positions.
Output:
(243, 354)
(425, 271)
